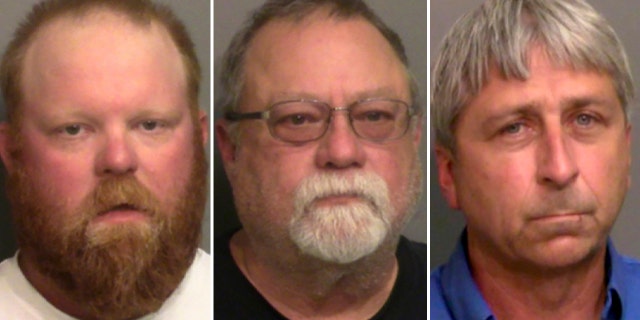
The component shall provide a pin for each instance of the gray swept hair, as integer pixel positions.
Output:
(231, 75)
(501, 32)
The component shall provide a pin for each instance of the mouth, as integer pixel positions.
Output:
(338, 199)
(121, 213)
(563, 216)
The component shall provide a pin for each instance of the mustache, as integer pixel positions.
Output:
(120, 192)
(368, 186)
(568, 201)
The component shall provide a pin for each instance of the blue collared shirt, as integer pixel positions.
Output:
(454, 294)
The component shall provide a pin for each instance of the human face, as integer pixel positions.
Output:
(93, 110)
(332, 60)
(106, 163)
(541, 166)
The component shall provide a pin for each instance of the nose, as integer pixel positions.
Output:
(557, 165)
(117, 155)
(340, 148)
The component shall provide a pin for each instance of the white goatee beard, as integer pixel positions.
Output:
(341, 233)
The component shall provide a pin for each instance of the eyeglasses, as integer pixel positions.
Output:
(299, 121)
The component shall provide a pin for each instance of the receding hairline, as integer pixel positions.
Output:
(51, 38)
(325, 13)
(48, 45)
(140, 13)
(69, 23)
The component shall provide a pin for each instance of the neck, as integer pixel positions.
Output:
(576, 292)
(48, 288)
(305, 287)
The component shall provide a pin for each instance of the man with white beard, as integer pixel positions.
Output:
(320, 143)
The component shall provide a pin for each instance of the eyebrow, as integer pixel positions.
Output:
(379, 92)
(532, 108)
(509, 112)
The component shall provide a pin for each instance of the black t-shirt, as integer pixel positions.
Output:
(236, 298)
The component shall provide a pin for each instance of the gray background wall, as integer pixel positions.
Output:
(194, 13)
(446, 224)
(408, 18)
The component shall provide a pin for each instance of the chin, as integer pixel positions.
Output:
(566, 252)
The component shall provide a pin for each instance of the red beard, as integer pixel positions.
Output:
(118, 271)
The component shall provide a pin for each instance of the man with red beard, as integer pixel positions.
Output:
(320, 142)
(106, 166)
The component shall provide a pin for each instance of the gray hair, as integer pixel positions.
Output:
(501, 32)
(231, 76)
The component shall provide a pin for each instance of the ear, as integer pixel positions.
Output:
(226, 145)
(204, 126)
(445, 162)
(6, 146)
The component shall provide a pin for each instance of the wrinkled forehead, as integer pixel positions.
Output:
(319, 45)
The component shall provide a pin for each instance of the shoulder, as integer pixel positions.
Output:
(412, 265)
(19, 300)
(624, 283)
(10, 296)
(437, 306)
(235, 297)
(625, 270)
(408, 299)
(413, 251)
(631, 265)
(629, 274)
(193, 298)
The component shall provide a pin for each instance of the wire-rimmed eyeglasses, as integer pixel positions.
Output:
(304, 120)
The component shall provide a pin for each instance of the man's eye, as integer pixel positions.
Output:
(584, 120)
(375, 116)
(513, 128)
(152, 125)
(372, 114)
(72, 130)
(149, 125)
(298, 119)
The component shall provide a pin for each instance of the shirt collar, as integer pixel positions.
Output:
(616, 289)
(459, 290)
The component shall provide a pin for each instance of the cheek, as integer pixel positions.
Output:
(492, 190)
(60, 175)
(165, 170)
(277, 167)
(606, 173)
(264, 177)
(279, 170)
(400, 168)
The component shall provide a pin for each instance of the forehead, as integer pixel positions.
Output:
(323, 55)
(546, 72)
(96, 44)
(549, 87)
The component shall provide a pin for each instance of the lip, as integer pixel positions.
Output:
(121, 214)
(560, 216)
(337, 199)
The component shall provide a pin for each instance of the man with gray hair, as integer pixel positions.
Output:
(530, 110)
(320, 142)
